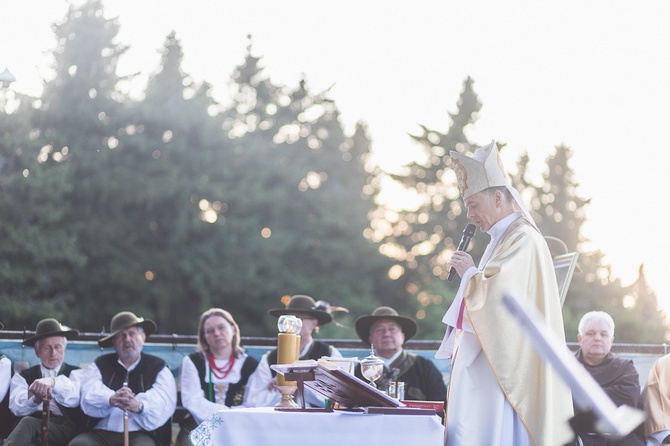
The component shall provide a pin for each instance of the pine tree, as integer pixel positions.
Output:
(301, 217)
(421, 240)
(68, 127)
(560, 212)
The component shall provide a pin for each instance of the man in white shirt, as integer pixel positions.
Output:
(128, 383)
(7, 418)
(51, 382)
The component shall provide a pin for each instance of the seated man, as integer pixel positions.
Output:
(617, 376)
(262, 387)
(128, 383)
(51, 382)
(7, 418)
(387, 332)
(655, 402)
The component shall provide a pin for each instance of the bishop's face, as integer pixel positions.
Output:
(485, 209)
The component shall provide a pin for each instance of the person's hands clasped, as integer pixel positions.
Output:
(42, 388)
(461, 261)
(124, 399)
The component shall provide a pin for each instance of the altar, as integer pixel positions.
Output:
(264, 426)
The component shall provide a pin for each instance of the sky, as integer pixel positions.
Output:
(592, 75)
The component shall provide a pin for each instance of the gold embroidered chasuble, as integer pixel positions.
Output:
(522, 267)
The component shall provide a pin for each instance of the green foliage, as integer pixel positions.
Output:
(561, 212)
(171, 205)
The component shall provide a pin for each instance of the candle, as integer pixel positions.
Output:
(297, 347)
(287, 353)
(288, 344)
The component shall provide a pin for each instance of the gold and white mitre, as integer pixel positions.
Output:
(481, 171)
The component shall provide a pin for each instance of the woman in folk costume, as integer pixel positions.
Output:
(501, 391)
(215, 376)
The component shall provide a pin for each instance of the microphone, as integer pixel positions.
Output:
(468, 233)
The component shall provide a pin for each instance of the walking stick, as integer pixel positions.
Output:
(126, 435)
(46, 414)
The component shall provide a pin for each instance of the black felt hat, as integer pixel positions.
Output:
(363, 323)
(301, 304)
(47, 328)
(123, 320)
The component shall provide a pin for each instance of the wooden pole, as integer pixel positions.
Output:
(126, 434)
(46, 414)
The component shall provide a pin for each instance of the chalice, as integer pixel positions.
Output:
(372, 367)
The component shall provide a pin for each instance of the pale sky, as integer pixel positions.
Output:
(593, 75)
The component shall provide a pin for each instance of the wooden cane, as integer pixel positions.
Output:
(46, 414)
(126, 434)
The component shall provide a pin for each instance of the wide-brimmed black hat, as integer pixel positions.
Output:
(301, 304)
(47, 328)
(123, 320)
(363, 323)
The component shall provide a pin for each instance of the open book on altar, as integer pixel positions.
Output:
(335, 384)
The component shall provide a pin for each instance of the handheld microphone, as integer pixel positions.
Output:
(468, 233)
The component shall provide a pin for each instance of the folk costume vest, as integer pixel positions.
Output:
(235, 393)
(74, 414)
(140, 379)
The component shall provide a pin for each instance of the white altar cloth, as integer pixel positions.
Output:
(264, 426)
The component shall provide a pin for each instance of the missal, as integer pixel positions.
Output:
(337, 385)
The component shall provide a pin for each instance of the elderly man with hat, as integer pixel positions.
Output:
(51, 382)
(387, 332)
(262, 387)
(501, 391)
(128, 382)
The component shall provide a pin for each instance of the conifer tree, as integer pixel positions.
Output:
(69, 129)
(301, 202)
(561, 212)
(421, 240)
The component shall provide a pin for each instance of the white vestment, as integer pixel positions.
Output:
(490, 418)
(501, 392)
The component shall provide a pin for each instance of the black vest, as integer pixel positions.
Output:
(74, 414)
(235, 393)
(140, 379)
(318, 350)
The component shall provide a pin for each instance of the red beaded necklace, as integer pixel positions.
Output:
(220, 372)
